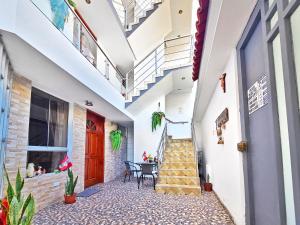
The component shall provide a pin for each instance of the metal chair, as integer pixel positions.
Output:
(131, 168)
(147, 170)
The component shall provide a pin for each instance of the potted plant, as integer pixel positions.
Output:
(207, 185)
(116, 138)
(70, 196)
(156, 119)
(14, 208)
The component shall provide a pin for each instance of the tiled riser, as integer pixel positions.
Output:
(178, 172)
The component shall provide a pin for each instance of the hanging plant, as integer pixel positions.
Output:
(72, 3)
(116, 139)
(156, 119)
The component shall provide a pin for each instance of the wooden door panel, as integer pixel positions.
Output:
(94, 154)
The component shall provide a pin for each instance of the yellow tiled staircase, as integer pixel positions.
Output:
(178, 172)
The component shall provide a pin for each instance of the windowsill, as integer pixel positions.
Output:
(46, 175)
(47, 149)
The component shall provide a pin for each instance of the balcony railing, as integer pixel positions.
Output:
(172, 53)
(67, 21)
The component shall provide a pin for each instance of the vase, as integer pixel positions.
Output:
(70, 199)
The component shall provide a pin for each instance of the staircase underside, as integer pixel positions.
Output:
(178, 172)
(132, 27)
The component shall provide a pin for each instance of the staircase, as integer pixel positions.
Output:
(178, 168)
(171, 54)
(133, 13)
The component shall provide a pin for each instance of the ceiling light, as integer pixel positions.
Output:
(182, 78)
(88, 103)
(179, 89)
(88, 1)
(180, 11)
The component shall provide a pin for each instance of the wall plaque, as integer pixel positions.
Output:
(258, 95)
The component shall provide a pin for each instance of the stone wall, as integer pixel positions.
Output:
(78, 151)
(114, 161)
(47, 188)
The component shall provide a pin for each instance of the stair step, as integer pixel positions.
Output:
(179, 165)
(179, 180)
(178, 189)
(178, 154)
(176, 159)
(177, 172)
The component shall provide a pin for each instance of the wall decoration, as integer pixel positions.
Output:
(222, 119)
(223, 82)
(258, 95)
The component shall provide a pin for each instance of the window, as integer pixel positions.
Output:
(48, 124)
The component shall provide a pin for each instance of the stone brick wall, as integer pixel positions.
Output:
(47, 188)
(78, 152)
(114, 161)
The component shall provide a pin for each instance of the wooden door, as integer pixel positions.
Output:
(94, 153)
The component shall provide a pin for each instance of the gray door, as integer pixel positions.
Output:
(262, 171)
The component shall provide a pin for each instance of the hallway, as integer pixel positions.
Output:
(119, 203)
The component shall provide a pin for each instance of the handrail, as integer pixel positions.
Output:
(195, 146)
(162, 145)
(177, 122)
(156, 60)
(119, 76)
(164, 42)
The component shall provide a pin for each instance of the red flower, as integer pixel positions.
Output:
(3, 211)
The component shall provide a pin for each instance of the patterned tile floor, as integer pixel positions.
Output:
(119, 203)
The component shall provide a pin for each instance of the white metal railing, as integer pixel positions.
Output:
(67, 21)
(172, 53)
(130, 11)
(194, 140)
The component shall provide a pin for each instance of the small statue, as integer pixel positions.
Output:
(39, 172)
(30, 170)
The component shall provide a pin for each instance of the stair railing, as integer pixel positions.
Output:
(130, 11)
(171, 53)
(164, 140)
(194, 140)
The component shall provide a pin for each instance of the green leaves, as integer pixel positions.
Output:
(71, 184)
(20, 212)
(116, 139)
(156, 119)
(72, 3)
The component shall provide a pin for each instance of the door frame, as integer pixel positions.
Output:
(103, 118)
(258, 15)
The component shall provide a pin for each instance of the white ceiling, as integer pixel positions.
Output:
(224, 28)
(50, 78)
(181, 23)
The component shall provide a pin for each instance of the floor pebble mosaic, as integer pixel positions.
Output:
(119, 203)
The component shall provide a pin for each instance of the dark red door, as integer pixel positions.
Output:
(94, 153)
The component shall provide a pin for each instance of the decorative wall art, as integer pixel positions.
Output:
(223, 82)
(221, 121)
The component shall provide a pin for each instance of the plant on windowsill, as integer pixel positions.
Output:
(15, 210)
(156, 119)
(70, 196)
(207, 184)
(116, 138)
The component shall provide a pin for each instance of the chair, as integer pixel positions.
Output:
(147, 170)
(131, 169)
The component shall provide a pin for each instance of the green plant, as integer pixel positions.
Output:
(116, 139)
(72, 3)
(71, 184)
(20, 211)
(156, 119)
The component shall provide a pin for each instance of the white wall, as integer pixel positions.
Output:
(144, 138)
(224, 162)
(179, 107)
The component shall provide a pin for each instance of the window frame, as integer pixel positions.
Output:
(50, 148)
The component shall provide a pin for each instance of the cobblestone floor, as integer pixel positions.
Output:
(119, 203)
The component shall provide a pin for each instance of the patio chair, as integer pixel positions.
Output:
(131, 168)
(148, 170)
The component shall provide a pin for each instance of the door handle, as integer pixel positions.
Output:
(242, 146)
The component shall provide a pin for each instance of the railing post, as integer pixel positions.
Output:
(156, 68)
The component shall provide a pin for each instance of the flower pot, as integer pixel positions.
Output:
(208, 187)
(70, 199)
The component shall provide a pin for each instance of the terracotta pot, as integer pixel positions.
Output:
(208, 187)
(70, 199)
